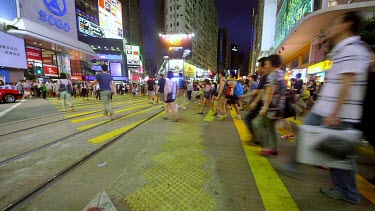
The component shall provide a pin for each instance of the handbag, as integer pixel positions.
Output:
(170, 94)
(336, 147)
(62, 87)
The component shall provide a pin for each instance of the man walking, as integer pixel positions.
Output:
(161, 86)
(106, 87)
(151, 90)
(341, 99)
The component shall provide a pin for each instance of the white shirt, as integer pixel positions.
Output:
(348, 56)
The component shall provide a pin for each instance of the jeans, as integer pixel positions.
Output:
(65, 96)
(105, 97)
(189, 94)
(250, 116)
(182, 97)
(344, 181)
(265, 129)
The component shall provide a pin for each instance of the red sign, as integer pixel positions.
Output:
(50, 70)
(47, 59)
(136, 77)
(33, 53)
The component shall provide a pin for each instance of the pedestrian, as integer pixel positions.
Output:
(232, 99)
(134, 89)
(274, 93)
(63, 86)
(43, 88)
(161, 87)
(182, 90)
(19, 86)
(105, 81)
(220, 106)
(206, 96)
(151, 91)
(170, 93)
(340, 102)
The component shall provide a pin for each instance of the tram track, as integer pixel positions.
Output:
(56, 121)
(53, 179)
(21, 155)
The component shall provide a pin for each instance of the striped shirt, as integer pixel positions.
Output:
(349, 56)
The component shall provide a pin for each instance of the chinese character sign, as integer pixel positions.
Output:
(12, 51)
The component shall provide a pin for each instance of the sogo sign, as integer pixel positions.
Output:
(57, 7)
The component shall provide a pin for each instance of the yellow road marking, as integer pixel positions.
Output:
(209, 117)
(366, 189)
(274, 194)
(127, 116)
(101, 115)
(291, 119)
(114, 133)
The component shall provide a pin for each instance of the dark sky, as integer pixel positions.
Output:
(233, 14)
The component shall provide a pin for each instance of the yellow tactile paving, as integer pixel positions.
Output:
(274, 194)
(175, 182)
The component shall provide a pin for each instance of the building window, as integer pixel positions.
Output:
(178, 23)
(171, 25)
(170, 8)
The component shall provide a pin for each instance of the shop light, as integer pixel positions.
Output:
(40, 44)
(98, 46)
(105, 46)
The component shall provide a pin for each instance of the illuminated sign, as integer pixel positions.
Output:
(58, 8)
(132, 55)
(177, 46)
(319, 67)
(89, 28)
(110, 18)
(189, 70)
(176, 66)
(290, 13)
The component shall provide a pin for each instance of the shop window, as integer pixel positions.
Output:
(295, 63)
(305, 58)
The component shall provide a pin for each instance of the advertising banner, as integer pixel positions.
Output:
(132, 55)
(89, 28)
(189, 70)
(58, 15)
(176, 66)
(33, 54)
(115, 68)
(65, 63)
(110, 18)
(176, 46)
(12, 51)
(50, 70)
(48, 59)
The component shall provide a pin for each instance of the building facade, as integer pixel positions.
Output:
(224, 50)
(132, 23)
(300, 28)
(193, 17)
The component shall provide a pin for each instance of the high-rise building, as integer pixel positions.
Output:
(160, 22)
(132, 23)
(192, 17)
(224, 50)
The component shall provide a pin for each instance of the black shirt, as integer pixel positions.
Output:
(262, 81)
(150, 85)
(298, 85)
(161, 84)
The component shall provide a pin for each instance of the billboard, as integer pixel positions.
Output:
(110, 18)
(176, 66)
(12, 51)
(189, 70)
(132, 55)
(176, 46)
(89, 28)
(290, 13)
(57, 15)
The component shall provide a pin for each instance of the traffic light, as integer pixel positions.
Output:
(39, 71)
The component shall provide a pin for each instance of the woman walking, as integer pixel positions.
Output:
(63, 88)
(170, 96)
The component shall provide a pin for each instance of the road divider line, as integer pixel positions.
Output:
(101, 115)
(114, 133)
(11, 108)
(127, 116)
(274, 194)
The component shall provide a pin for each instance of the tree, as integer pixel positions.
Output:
(367, 32)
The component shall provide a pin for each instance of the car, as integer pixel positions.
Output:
(9, 94)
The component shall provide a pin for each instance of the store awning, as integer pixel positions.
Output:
(26, 28)
(307, 28)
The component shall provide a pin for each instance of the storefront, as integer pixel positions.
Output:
(49, 31)
(317, 71)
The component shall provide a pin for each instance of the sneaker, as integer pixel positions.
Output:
(183, 108)
(221, 117)
(288, 136)
(334, 194)
(152, 102)
(288, 169)
(238, 117)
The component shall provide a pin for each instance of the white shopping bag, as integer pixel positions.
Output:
(310, 136)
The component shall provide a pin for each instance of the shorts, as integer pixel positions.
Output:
(232, 100)
(169, 101)
(161, 96)
(151, 93)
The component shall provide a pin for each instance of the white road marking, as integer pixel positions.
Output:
(11, 108)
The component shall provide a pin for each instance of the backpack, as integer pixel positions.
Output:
(183, 84)
(229, 89)
(239, 89)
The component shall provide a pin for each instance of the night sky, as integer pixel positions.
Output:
(233, 14)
